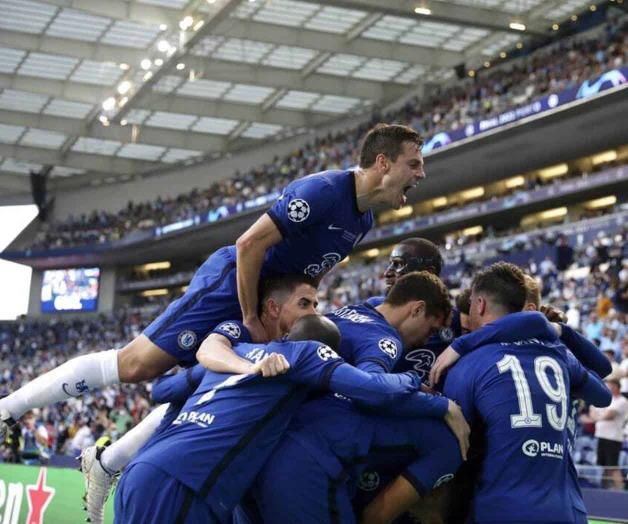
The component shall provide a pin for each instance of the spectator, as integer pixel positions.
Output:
(609, 429)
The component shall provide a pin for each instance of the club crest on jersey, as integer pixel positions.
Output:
(388, 346)
(231, 329)
(187, 339)
(446, 334)
(326, 353)
(369, 481)
(329, 261)
(298, 210)
(444, 479)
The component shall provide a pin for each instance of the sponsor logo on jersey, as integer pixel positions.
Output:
(298, 210)
(534, 448)
(329, 261)
(369, 481)
(199, 418)
(422, 360)
(446, 334)
(326, 353)
(187, 339)
(388, 346)
(231, 329)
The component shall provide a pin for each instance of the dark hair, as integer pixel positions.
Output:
(504, 283)
(463, 301)
(316, 327)
(281, 287)
(426, 253)
(388, 140)
(421, 285)
(533, 291)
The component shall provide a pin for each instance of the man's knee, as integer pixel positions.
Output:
(142, 360)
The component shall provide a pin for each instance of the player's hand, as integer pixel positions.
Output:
(272, 365)
(256, 329)
(458, 425)
(444, 361)
(553, 314)
(558, 328)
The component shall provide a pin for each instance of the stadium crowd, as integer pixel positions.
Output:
(547, 70)
(591, 287)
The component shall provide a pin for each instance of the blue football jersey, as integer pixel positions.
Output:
(520, 391)
(422, 359)
(320, 223)
(223, 433)
(368, 340)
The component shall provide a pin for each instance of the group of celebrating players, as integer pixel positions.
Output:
(285, 416)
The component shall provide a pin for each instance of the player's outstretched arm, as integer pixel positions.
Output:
(394, 500)
(374, 390)
(216, 354)
(251, 247)
(585, 351)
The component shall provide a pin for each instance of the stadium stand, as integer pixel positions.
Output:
(564, 223)
(490, 92)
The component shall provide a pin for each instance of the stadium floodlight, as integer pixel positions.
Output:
(154, 292)
(109, 104)
(123, 101)
(186, 23)
(146, 64)
(517, 26)
(555, 27)
(198, 25)
(372, 253)
(103, 120)
(439, 202)
(159, 62)
(180, 66)
(163, 27)
(553, 171)
(123, 122)
(124, 67)
(421, 10)
(147, 76)
(124, 87)
(606, 201)
(472, 231)
(403, 212)
(163, 46)
(152, 266)
(516, 181)
(550, 214)
(603, 158)
(475, 192)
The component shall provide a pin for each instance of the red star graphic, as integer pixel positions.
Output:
(39, 497)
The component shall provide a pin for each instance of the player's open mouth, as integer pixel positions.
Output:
(408, 188)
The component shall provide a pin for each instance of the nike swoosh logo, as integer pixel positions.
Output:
(334, 228)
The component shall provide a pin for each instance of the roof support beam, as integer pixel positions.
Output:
(70, 47)
(159, 102)
(278, 78)
(147, 134)
(91, 162)
(123, 10)
(446, 12)
(333, 43)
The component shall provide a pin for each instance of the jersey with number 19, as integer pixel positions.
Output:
(520, 391)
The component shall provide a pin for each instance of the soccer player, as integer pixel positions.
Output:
(519, 388)
(199, 468)
(315, 223)
(283, 300)
(418, 254)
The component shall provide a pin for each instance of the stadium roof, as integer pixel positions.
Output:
(96, 90)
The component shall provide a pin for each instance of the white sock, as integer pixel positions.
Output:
(72, 379)
(115, 457)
